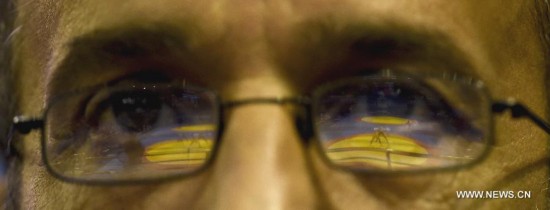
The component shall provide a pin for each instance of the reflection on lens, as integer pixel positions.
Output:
(399, 124)
(386, 120)
(183, 153)
(94, 138)
(378, 150)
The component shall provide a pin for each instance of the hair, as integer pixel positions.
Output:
(6, 79)
(7, 102)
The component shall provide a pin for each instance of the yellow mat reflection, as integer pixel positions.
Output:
(378, 150)
(386, 120)
(189, 151)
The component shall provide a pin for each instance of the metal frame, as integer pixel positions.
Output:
(304, 124)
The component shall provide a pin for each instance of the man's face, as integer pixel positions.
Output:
(270, 49)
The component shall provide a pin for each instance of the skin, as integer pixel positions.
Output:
(249, 49)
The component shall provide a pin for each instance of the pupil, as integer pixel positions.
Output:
(136, 111)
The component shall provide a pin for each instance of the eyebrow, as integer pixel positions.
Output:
(128, 41)
(89, 53)
(386, 43)
(114, 46)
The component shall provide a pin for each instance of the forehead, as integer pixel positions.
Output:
(233, 32)
(253, 19)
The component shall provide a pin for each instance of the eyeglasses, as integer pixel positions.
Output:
(386, 122)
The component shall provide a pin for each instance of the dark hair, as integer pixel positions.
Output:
(6, 81)
(7, 16)
(7, 97)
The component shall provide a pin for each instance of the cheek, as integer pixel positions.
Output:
(49, 193)
(346, 190)
(409, 189)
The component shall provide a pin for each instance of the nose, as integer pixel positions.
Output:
(261, 162)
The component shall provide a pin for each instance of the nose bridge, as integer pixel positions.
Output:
(261, 162)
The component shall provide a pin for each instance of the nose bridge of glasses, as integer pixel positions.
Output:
(302, 116)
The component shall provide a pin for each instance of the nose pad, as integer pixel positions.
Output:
(261, 162)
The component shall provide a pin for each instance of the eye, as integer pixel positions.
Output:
(136, 111)
(379, 123)
(132, 131)
(377, 99)
(145, 108)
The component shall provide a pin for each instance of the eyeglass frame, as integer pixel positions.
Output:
(304, 125)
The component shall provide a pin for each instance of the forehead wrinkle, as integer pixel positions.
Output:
(90, 54)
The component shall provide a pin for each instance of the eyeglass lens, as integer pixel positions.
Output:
(374, 123)
(131, 133)
(402, 124)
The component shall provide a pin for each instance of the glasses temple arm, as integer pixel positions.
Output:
(518, 110)
(25, 125)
